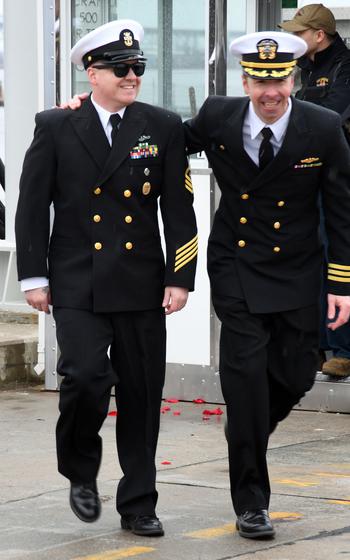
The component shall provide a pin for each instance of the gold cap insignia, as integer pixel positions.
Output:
(267, 49)
(127, 37)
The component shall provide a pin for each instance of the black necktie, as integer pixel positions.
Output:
(115, 122)
(266, 150)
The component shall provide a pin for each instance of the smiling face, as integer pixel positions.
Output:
(269, 97)
(113, 93)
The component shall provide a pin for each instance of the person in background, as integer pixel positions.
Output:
(104, 168)
(325, 81)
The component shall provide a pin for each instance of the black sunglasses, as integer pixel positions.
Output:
(121, 69)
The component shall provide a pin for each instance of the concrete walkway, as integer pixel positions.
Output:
(309, 460)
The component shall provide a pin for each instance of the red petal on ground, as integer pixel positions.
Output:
(166, 463)
(213, 412)
(218, 411)
(113, 413)
(205, 417)
(172, 400)
(176, 412)
(165, 409)
(199, 401)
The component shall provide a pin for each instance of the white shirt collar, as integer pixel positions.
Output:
(278, 128)
(104, 114)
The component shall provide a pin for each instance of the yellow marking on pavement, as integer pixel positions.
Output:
(331, 475)
(292, 482)
(117, 554)
(229, 528)
(341, 502)
(282, 515)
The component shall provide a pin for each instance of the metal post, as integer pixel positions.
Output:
(165, 52)
(47, 335)
(269, 14)
(220, 46)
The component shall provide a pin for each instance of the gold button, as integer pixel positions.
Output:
(98, 246)
(97, 191)
(276, 249)
(97, 218)
(146, 188)
(280, 203)
(243, 220)
(222, 147)
(241, 243)
(128, 245)
(128, 219)
(277, 225)
(127, 193)
(245, 196)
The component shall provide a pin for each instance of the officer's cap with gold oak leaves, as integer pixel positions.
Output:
(268, 55)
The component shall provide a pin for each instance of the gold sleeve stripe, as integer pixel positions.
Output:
(338, 279)
(188, 254)
(188, 250)
(339, 272)
(188, 180)
(181, 249)
(339, 266)
(186, 261)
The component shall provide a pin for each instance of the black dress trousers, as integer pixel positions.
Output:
(267, 363)
(136, 365)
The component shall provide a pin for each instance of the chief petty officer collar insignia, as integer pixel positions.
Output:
(267, 49)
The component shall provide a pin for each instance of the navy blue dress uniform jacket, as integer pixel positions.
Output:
(104, 253)
(264, 244)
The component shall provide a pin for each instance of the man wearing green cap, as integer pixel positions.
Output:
(325, 81)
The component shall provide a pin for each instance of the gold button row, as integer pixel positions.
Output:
(97, 218)
(146, 189)
(241, 243)
(245, 196)
(98, 246)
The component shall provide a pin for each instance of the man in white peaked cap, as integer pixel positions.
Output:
(272, 156)
(104, 168)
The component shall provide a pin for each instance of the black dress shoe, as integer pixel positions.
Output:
(143, 525)
(255, 525)
(84, 501)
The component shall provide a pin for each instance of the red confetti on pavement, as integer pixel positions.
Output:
(176, 412)
(199, 401)
(166, 462)
(172, 400)
(165, 409)
(213, 412)
(113, 413)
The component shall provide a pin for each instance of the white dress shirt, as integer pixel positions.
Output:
(104, 115)
(252, 136)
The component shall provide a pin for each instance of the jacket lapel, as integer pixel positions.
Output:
(294, 146)
(232, 136)
(87, 125)
(131, 127)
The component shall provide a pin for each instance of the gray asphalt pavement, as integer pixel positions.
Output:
(309, 462)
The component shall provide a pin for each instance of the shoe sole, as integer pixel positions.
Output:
(82, 518)
(258, 535)
(156, 533)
